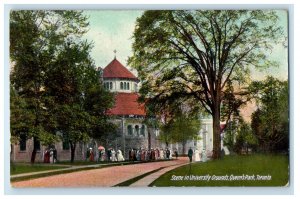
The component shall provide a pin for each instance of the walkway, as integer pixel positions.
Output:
(146, 181)
(68, 167)
(104, 177)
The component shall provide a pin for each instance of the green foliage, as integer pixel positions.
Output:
(36, 40)
(193, 55)
(270, 122)
(181, 127)
(53, 73)
(21, 118)
(230, 134)
(239, 137)
(245, 138)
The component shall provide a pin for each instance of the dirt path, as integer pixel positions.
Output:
(105, 177)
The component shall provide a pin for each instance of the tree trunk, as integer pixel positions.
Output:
(216, 132)
(183, 147)
(149, 139)
(33, 154)
(73, 146)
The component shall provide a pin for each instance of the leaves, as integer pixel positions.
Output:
(270, 122)
(54, 84)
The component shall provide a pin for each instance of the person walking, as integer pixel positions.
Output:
(161, 154)
(91, 155)
(197, 155)
(113, 155)
(168, 153)
(108, 154)
(190, 154)
(120, 155)
(176, 154)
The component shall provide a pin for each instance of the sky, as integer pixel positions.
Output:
(112, 30)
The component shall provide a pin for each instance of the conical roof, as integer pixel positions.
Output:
(116, 70)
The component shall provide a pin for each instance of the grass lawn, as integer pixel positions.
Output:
(18, 168)
(77, 163)
(231, 171)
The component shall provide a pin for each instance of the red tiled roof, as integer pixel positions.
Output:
(127, 104)
(116, 70)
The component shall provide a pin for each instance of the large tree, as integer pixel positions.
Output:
(80, 100)
(194, 54)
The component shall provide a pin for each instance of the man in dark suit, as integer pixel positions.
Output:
(190, 154)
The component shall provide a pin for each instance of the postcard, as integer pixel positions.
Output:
(149, 98)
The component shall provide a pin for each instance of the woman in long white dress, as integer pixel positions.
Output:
(197, 155)
(161, 154)
(120, 155)
(113, 155)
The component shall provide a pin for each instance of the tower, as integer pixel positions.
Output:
(127, 112)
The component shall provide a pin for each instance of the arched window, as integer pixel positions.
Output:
(127, 85)
(110, 85)
(143, 130)
(121, 85)
(37, 144)
(137, 130)
(65, 142)
(129, 130)
(22, 143)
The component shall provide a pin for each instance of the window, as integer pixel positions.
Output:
(37, 144)
(121, 85)
(65, 143)
(137, 129)
(129, 130)
(127, 85)
(106, 85)
(143, 130)
(135, 87)
(22, 143)
(110, 85)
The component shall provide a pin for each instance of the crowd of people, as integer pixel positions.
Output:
(152, 154)
(111, 155)
(50, 155)
(133, 155)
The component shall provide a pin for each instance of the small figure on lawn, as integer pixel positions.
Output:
(190, 154)
(176, 153)
(91, 155)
